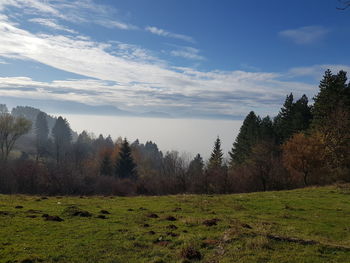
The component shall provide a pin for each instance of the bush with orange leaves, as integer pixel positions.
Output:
(304, 157)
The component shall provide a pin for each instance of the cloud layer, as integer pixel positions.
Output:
(305, 35)
(187, 52)
(164, 33)
(128, 76)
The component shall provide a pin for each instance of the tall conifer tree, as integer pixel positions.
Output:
(125, 166)
(62, 138)
(41, 134)
(293, 117)
(247, 137)
(334, 94)
(215, 161)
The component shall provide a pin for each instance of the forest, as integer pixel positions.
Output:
(304, 144)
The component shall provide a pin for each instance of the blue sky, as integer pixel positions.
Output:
(193, 58)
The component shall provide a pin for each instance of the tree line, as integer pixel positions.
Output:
(302, 145)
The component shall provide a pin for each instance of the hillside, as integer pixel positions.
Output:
(305, 225)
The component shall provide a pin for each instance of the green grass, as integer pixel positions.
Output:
(306, 225)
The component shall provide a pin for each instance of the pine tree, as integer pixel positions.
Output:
(283, 121)
(248, 136)
(293, 117)
(125, 166)
(82, 148)
(106, 167)
(215, 161)
(266, 129)
(301, 116)
(41, 134)
(196, 166)
(332, 119)
(334, 94)
(109, 142)
(62, 138)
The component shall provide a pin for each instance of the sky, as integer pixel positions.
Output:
(200, 59)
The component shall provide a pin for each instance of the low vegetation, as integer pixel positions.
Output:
(304, 225)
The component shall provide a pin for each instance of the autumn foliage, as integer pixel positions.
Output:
(303, 145)
(304, 156)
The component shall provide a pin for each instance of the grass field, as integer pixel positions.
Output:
(306, 225)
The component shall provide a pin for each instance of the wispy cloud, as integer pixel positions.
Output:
(51, 23)
(187, 52)
(40, 6)
(164, 33)
(79, 11)
(133, 53)
(305, 35)
(116, 24)
(141, 97)
(129, 76)
(315, 71)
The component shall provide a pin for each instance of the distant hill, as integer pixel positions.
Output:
(31, 113)
(72, 107)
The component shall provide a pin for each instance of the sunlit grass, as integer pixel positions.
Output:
(256, 227)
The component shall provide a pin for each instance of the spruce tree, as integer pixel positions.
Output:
(196, 166)
(266, 129)
(334, 93)
(248, 136)
(41, 134)
(332, 120)
(82, 148)
(293, 117)
(125, 166)
(109, 142)
(215, 161)
(301, 116)
(62, 138)
(283, 121)
(106, 167)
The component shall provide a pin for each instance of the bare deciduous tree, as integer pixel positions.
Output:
(11, 129)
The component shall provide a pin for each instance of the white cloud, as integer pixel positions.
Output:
(316, 71)
(116, 24)
(51, 23)
(133, 52)
(30, 5)
(305, 35)
(129, 76)
(79, 11)
(142, 97)
(164, 33)
(187, 52)
(139, 80)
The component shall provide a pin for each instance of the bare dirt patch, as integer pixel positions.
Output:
(190, 253)
(211, 222)
(170, 218)
(76, 211)
(54, 218)
(152, 215)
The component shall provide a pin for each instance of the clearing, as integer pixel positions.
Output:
(304, 225)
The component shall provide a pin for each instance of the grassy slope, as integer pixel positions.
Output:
(243, 233)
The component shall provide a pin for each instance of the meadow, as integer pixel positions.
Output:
(304, 225)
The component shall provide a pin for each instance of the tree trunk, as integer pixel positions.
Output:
(305, 178)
